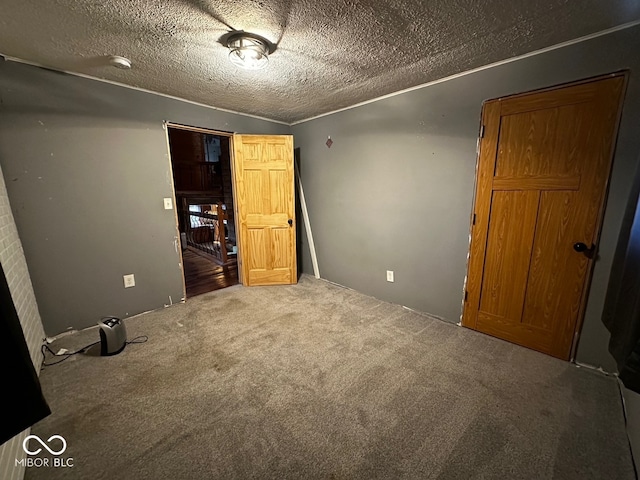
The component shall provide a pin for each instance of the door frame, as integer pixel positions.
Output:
(207, 131)
(600, 218)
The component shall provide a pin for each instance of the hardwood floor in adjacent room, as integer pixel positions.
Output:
(203, 275)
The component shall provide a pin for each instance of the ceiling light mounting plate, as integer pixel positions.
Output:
(248, 50)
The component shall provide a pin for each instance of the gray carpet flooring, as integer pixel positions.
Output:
(318, 381)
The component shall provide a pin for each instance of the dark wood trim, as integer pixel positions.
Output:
(207, 131)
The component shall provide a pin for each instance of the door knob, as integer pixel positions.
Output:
(290, 222)
(582, 248)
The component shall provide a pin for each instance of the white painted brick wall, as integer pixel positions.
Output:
(15, 269)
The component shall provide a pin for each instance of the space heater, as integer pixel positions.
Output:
(113, 336)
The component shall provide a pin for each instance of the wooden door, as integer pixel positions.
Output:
(543, 169)
(263, 173)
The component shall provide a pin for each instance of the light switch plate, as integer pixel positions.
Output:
(168, 204)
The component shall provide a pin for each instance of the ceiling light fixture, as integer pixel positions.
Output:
(248, 51)
(120, 62)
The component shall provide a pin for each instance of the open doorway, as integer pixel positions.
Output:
(201, 165)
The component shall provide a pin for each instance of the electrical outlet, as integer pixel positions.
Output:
(129, 280)
(389, 275)
(168, 203)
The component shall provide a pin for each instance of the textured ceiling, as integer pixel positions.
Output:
(330, 53)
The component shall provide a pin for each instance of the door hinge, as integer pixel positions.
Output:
(473, 222)
(466, 295)
(481, 131)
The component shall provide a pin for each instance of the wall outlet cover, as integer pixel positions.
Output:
(168, 204)
(390, 276)
(129, 280)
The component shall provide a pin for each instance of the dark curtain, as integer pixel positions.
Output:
(621, 313)
(23, 403)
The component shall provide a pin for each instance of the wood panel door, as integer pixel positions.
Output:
(543, 170)
(265, 208)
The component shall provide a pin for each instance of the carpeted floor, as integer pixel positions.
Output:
(317, 381)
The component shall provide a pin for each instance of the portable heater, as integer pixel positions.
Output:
(113, 336)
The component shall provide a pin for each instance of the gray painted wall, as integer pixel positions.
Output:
(86, 167)
(395, 190)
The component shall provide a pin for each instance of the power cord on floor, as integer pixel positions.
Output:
(67, 355)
